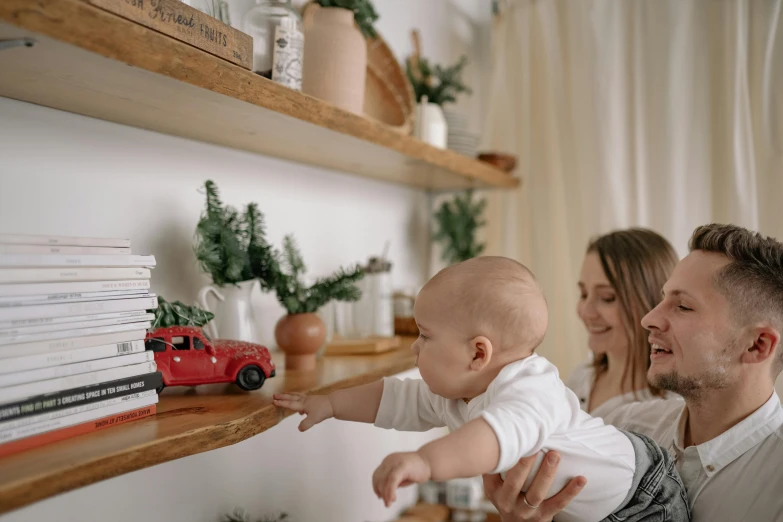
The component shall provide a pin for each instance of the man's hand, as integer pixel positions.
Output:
(399, 470)
(514, 506)
(317, 408)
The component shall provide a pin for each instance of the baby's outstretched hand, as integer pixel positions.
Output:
(399, 470)
(317, 408)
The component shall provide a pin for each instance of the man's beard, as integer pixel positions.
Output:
(714, 377)
(691, 387)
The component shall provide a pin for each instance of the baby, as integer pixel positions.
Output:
(480, 322)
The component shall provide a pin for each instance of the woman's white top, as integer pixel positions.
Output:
(581, 383)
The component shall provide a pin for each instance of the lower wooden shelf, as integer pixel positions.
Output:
(189, 421)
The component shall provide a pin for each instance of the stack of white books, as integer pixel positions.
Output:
(74, 313)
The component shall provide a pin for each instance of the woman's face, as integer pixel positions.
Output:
(599, 309)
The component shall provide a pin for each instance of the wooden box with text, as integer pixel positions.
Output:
(187, 24)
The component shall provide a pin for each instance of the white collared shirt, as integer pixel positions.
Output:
(581, 383)
(529, 409)
(735, 477)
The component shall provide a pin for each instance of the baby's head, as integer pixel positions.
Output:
(474, 318)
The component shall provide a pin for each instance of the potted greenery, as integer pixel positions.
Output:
(457, 223)
(231, 247)
(434, 86)
(335, 50)
(300, 333)
(439, 85)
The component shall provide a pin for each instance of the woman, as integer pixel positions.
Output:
(622, 277)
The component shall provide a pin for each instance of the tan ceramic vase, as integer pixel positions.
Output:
(335, 58)
(300, 336)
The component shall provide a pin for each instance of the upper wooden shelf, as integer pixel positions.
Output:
(189, 421)
(80, 63)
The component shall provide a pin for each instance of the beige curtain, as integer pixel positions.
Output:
(659, 113)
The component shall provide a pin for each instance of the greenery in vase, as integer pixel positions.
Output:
(229, 245)
(364, 13)
(457, 222)
(439, 84)
(219, 241)
(232, 248)
(262, 258)
(285, 279)
(177, 313)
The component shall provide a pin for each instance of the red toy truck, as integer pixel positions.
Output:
(186, 356)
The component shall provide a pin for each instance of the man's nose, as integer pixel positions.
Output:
(654, 319)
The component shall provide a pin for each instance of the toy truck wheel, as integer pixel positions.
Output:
(251, 377)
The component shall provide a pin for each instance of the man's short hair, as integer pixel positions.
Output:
(753, 280)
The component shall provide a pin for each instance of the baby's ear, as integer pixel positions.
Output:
(481, 350)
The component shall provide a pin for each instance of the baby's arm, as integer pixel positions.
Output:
(358, 404)
(405, 405)
(521, 415)
(469, 451)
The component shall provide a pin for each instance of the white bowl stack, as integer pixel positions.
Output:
(461, 139)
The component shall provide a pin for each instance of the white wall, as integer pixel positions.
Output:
(69, 175)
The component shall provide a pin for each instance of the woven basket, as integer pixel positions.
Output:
(388, 95)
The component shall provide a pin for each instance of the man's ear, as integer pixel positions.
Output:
(481, 349)
(763, 343)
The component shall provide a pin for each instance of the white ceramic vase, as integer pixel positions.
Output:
(431, 124)
(234, 316)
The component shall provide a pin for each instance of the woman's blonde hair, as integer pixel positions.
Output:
(637, 262)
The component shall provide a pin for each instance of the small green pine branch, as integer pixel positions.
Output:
(439, 84)
(220, 241)
(338, 287)
(457, 223)
(364, 13)
(263, 262)
(297, 298)
(294, 262)
(287, 283)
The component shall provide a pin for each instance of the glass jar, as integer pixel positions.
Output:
(278, 42)
(214, 8)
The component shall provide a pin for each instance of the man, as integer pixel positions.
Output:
(716, 342)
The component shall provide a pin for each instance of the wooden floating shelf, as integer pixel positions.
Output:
(91, 62)
(189, 421)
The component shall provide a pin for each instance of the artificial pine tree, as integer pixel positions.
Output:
(177, 313)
